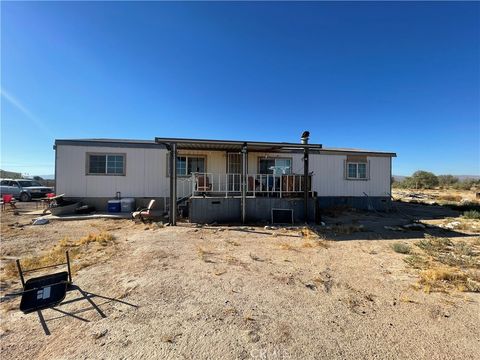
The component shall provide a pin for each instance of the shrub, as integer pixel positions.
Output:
(447, 180)
(401, 248)
(434, 244)
(472, 214)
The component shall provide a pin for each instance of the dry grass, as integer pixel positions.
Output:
(83, 248)
(315, 244)
(445, 278)
(446, 265)
(449, 197)
(347, 229)
(232, 242)
(287, 246)
(204, 254)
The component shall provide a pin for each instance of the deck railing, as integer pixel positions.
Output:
(210, 184)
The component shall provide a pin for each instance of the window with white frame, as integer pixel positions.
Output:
(357, 171)
(106, 164)
(275, 166)
(186, 165)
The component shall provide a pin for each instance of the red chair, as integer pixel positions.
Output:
(8, 199)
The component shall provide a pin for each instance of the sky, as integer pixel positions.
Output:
(400, 77)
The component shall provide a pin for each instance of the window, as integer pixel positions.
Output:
(275, 166)
(187, 165)
(26, 183)
(357, 171)
(106, 164)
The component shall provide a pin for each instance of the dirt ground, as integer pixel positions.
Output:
(242, 292)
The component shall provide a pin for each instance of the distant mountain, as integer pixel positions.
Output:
(460, 177)
(47, 177)
(465, 177)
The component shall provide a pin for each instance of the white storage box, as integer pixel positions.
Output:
(127, 204)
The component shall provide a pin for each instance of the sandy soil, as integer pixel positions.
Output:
(242, 293)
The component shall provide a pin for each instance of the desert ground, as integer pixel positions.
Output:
(350, 289)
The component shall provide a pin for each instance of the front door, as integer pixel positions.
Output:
(234, 171)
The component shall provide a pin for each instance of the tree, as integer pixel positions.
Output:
(423, 180)
(447, 180)
(37, 178)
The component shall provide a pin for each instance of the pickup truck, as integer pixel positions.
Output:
(23, 189)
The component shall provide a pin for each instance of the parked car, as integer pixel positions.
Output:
(23, 189)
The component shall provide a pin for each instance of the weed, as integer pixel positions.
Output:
(204, 255)
(417, 261)
(434, 244)
(472, 214)
(287, 246)
(347, 229)
(401, 248)
(255, 257)
(441, 278)
(315, 243)
(232, 242)
(446, 265)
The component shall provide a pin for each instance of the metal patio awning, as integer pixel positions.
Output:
(236, 145)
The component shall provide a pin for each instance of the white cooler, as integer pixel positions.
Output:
(127, 204)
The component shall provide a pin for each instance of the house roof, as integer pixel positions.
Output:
(218, 145)
(236, 145)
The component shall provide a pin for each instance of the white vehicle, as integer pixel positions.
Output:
(23, 189)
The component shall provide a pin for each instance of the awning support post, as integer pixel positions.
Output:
(244, 183)
(173, 185)
(305, 183)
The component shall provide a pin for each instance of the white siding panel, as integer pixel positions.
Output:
(145, 173)
(216, 160)
(329, 178)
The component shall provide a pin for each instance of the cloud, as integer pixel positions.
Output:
(19, 106)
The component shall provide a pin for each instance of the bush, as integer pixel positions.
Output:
(472, 214)
(424, 179)
(401, 248)
(447, 180)
(466, 184)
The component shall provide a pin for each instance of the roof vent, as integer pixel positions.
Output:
(304, 138)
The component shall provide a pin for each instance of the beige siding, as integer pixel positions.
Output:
(216, 160)
(145, 173)
(329, 177)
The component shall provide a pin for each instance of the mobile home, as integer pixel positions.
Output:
(224, 181)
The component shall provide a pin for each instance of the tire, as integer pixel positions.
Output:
(24, 197)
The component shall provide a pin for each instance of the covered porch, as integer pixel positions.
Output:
(257, 185)
(242, 170)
